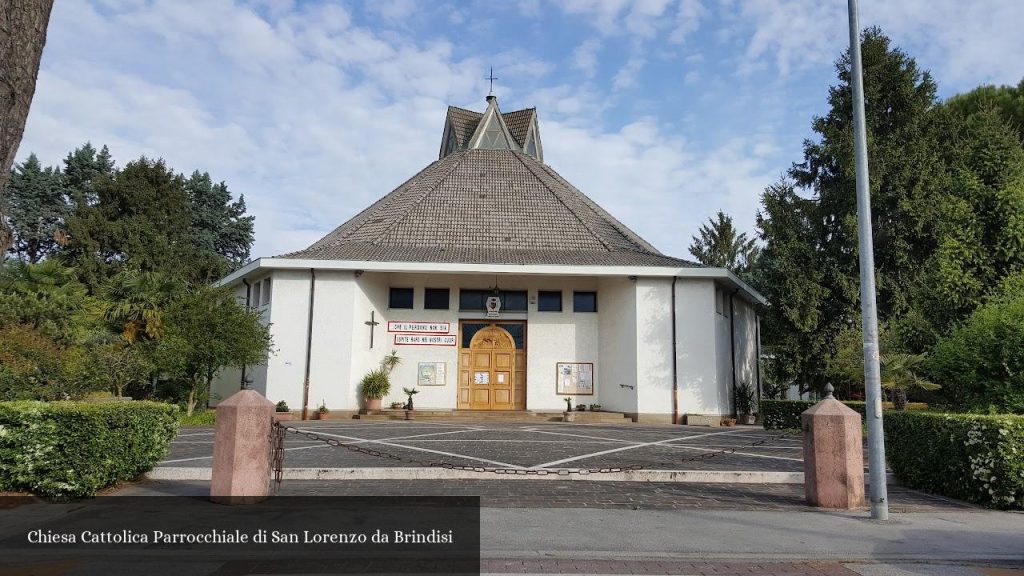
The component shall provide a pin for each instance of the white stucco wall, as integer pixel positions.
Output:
(696, 325)
(629, 340)
(745, 331)
(654, 345)
(617, 347)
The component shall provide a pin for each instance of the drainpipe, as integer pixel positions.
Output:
(309, 344)
(732, 347)
(757, 364)
(248, 296)
(675, 355)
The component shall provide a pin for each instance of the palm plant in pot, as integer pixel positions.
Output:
(745, 403)
(375, 385)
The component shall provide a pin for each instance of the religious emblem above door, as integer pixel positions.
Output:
(492, 366)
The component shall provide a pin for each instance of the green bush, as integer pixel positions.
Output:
(74, 449)
(198, 418)
(785, 414)
(980, 365)
(970, 457)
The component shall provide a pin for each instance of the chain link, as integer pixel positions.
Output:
(277, 454)
(280, 430)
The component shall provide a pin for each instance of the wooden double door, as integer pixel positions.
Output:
(492, 368)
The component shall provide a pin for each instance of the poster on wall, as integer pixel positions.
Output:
(574, 378)
(431, 374)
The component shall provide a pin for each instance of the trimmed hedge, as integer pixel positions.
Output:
(73, 449)
(971, 457)
(785, 414)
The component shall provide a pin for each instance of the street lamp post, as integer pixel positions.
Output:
(869, 313)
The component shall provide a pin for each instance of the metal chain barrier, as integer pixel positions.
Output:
(276, 454)
(280, 430)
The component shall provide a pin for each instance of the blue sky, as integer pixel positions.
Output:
(663, 111)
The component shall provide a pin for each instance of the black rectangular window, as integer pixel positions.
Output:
(400, 298)
(584, 301)
(549, 301)
(511, 300)
(435, 299)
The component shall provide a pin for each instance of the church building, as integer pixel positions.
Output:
(500, 286)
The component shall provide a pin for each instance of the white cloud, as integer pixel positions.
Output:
(658, 184)
(626, 76)
(584, 57)
(958, 41)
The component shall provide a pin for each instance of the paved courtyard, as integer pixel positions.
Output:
(520, 446)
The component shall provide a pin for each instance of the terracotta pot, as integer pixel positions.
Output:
(373, 403)
(282, 416)
(749, 419)
(408, 415)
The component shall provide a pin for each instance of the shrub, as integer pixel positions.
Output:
(375, 384)
(785, 414)
(74, 449)
(971, 457)
(979, 365)
(198, 418)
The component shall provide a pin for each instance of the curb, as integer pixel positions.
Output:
(421, 473)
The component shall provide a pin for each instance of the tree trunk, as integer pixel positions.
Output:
(22, 36)
(190, 404)
(899, 399)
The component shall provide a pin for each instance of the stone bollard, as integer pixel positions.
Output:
(241, 449)
(833, 455)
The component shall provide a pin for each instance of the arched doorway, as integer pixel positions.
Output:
(492, 369)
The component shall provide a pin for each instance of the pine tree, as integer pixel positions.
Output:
(721, 246)
(37, 207)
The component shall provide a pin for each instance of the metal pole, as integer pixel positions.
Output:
(869, 313)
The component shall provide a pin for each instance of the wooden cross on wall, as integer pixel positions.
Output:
(372, 324)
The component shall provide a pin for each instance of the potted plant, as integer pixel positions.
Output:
(281, 411)
(745, 403)
(410, 392)
(397, 405)
(568, 404)
(595, 407)
(581, 407)
(728, 421)
(322, 411)
(375, 385)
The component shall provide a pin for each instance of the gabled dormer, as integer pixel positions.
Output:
(492, 130)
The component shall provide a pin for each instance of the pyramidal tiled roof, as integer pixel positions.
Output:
(487, 207)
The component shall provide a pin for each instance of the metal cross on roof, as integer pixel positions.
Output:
(492, 78)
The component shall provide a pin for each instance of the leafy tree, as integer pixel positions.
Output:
(1007, 101)
(46, 297)
(34, 366)
(36, 205)
(979, 364)
(207, 329)
(719, 245)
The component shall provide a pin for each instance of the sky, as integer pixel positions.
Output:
(662, 111)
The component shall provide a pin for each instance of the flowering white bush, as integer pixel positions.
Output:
(971, 457)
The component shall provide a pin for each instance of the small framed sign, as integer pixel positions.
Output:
(425, 339)
(419, 327)
(574, 378)
(431, 374)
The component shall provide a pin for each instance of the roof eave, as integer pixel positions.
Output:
(719, 274)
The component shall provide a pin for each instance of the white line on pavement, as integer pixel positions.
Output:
(624, 448)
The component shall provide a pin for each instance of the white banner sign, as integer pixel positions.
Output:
(425, 339)
(420, 327)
